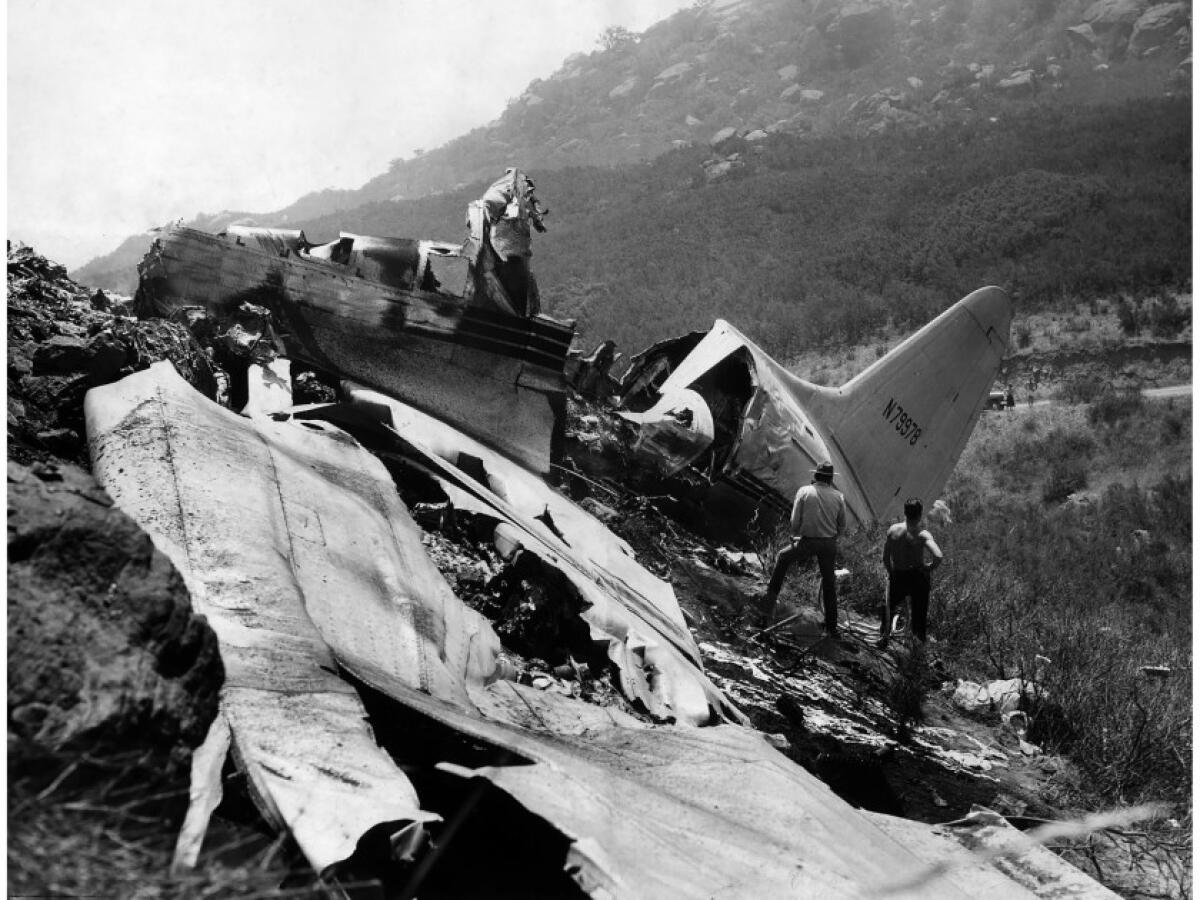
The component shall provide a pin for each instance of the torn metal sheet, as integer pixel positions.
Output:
(374, 309)
(674, 811)
(895, 430)
(674, 432)
(582, 533)
(1024, 869)
(281, 532)
(636, 614)
(204, 793)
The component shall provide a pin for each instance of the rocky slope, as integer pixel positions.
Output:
(749, 68)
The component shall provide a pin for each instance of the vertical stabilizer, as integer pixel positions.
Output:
(897, 429)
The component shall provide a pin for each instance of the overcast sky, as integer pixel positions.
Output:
(124, 114)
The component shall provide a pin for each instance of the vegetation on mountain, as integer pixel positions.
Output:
(819, 241)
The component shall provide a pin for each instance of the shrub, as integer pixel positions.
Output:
(1067, 477)
(1009, 595)
(1115, 406)
(1082, 389)
(1127, 317)
(1173, 426)
(1167, 317)
(1077, 324)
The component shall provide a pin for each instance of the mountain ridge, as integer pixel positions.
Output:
(744, 70)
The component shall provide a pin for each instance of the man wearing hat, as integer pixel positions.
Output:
(818, 519)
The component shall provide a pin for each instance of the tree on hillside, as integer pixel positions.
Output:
(615, 36)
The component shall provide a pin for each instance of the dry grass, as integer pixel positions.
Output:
(1089, 598)
(86, 824)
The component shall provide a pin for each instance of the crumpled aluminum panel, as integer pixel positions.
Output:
(625, 606)
(281, 531)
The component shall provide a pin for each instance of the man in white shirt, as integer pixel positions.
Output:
(818, 520)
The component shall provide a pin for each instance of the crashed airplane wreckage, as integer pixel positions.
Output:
(335, 624)
(295, 546)
(432, 324)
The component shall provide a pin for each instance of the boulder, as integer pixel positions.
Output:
(756, 135)
(102, 643)
(1106, 14)
(1156, 27)
(624, 89)
(789, 72)
(723, 135)
(1019, 84)
(792, 92)
(691, 121)
(60, 355)
(861, 31)
(1001, 696)
(744, 100)
(674, 73)
(1083, 37)
(1112, 22)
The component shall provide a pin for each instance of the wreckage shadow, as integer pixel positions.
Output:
(487, 846)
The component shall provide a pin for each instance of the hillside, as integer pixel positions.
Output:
(813, 242)
(754, 68)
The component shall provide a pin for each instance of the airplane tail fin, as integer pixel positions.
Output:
(896, 430)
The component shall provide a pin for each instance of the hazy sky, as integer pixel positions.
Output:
(123, 114)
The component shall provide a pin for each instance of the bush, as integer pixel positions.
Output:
(1009, 595)
(1115, 406)
(1127, 316)
(1082, 389)
(1067, 477)
(1167, 317)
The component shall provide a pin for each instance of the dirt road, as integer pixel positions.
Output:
(1159, 393)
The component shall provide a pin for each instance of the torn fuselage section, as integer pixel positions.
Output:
(710, 419)
(430, 322)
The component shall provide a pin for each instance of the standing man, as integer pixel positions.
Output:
(818, 519)
(904, 557)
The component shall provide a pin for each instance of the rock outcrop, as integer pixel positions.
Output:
(102, 644)
(64, 339)
(1158, 26)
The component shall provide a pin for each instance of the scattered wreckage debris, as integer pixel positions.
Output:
(308, 562)
(295, 545)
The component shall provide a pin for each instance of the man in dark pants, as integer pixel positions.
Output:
(818, 519)
(904, 557)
